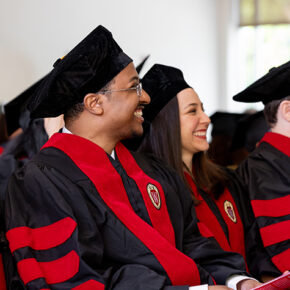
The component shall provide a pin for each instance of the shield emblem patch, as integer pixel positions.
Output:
(229, 209)
(154, 195)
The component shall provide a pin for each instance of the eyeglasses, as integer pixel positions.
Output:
(138, 89)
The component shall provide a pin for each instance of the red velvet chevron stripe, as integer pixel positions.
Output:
(42, 238)
(272, 207)
(282, 260)
(56, 271)
(275, 233)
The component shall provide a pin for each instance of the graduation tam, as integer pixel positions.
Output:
(16, 114)
(162, 83)
(87, 68)
(250, 129)
(275, 85)
(225, 123)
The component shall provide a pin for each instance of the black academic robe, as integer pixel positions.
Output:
(19, 150)
(77, 219)
(230, 220)
(266, 172)
(16, 154)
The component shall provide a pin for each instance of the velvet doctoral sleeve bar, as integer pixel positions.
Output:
(266, 173)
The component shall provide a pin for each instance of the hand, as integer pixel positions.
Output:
(247, 284)
(219, 287)
(266, 278)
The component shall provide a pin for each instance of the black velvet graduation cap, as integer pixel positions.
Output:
(16, 114)
(162, 83)
(225, 123)
(275, 85)
(88, 67)
(250, 130)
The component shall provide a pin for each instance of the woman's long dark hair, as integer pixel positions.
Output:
(164, 141)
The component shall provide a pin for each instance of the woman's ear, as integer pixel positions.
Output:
(94, 103)
(285, 110)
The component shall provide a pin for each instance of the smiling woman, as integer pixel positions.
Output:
(193, 124)
(183, 144)
(177, 134)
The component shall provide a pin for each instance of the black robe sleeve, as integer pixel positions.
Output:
(65, 250)
(266, 175)
(257, 258)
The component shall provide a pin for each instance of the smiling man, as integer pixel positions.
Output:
(86, 213)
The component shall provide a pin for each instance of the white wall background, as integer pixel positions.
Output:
(189, 34)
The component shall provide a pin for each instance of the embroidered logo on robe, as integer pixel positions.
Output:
(229, 209)
(154, 195)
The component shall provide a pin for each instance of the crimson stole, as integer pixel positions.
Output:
(95, 163)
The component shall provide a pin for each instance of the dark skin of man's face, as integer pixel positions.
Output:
(123, 109)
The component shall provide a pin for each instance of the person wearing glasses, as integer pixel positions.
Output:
(86, 213)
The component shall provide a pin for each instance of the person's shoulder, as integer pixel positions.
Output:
(256, 156)
(28, 171)
(157, 169)
(265, 155)
(150, 162)
(48, 161)
(264, 162)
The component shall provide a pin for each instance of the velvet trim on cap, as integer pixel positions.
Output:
(162, 83)
(87, 68)
(16, 113)
(275, 85)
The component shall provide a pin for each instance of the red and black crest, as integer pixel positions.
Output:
(154, 195)
(229, 209)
